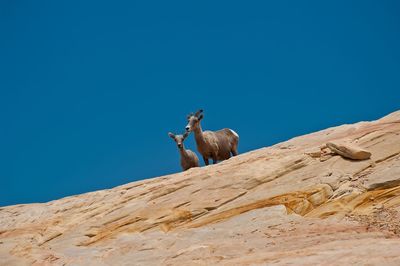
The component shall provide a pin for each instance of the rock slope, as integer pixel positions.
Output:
(297, 202)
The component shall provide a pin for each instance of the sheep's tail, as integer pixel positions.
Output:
(234, 133)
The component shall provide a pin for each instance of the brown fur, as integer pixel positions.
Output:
(188, 158)
(217, 145)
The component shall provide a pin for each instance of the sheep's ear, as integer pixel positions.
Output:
(200, 117)
(189, 115)
(172, 136)
(198, 113)
(185, 135)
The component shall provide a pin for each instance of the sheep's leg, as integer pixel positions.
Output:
(205, 160)
(234, 152)
(214, 159)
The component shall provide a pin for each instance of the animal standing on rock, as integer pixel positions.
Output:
(188, 158)
(217, 145)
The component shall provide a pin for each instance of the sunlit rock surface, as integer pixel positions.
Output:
(287, 204)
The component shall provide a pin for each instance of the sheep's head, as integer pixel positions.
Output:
(179, 139)
(194, 120)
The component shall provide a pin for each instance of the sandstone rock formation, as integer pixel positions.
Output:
(348, 150)
(278, 205)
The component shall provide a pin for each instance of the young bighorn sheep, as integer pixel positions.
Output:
(188, 158)
(217, 145)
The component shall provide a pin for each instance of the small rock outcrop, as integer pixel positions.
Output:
(296, 202)
(348, 150)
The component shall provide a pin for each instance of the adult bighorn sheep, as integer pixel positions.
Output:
(217, 145)
(188, 158)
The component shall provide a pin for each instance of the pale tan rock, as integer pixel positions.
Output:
(272, 206)
(387, 178)
(314, 152)
(348, 150)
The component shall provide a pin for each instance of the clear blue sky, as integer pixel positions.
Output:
(89, 89)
